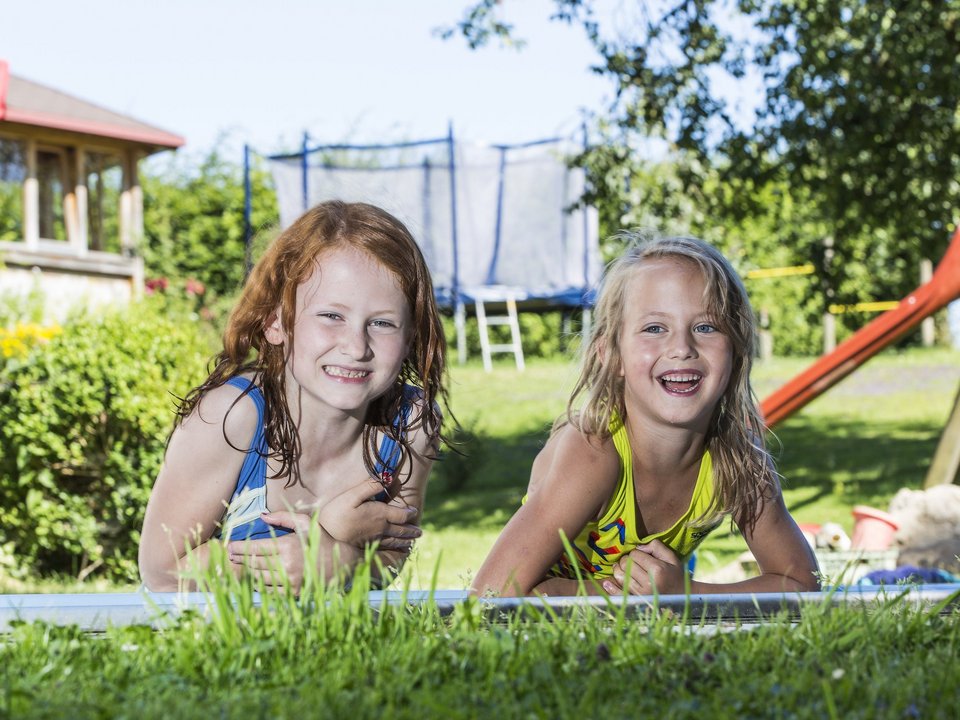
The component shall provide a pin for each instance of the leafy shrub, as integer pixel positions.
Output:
(83, 424)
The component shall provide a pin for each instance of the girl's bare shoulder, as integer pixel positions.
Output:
(570, 454)
(224, 409)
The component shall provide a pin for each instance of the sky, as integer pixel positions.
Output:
(263, 73)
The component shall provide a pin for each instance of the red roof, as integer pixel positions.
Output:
(29, 103)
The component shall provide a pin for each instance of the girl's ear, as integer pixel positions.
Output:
(273, 330)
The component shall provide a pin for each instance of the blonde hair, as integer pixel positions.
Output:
(273, 283)
(744, 475)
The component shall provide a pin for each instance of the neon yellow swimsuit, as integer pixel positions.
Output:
(602, 542)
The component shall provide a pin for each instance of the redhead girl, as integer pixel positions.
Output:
(321, 412)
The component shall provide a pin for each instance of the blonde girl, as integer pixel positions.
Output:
(666, 442)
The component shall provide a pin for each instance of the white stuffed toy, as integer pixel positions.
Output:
(929, 532)
(831, 536)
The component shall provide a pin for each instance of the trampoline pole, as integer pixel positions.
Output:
(304, 166)
(455, 282)
(247, 220)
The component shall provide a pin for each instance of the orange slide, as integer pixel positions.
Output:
(830, 369)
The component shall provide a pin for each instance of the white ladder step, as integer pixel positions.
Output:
(511, 319)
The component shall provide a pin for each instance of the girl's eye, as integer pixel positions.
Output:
(329, 315)
(705, 328)
(382, 324)
(654, 329)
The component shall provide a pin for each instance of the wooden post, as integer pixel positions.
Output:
(928, 326)
(829, 321)
(126, 204)
(829, 332)
(764, 336)
(73, 217)
(82, 200)
(136, 197)
(945, 466)
(31, 198)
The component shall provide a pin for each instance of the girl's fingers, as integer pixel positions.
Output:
(298, 522)
(251, 548)
(395, 543)
(404, 531)
(271, 578)
(257, 562)
(656, 549)
(400, 515)
(364, 491)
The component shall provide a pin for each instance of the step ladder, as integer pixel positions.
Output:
(484, 321)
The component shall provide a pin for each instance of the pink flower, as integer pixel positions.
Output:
(194, 287)
(156, 285)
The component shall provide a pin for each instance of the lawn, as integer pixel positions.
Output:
(859, 443)
(332, 655)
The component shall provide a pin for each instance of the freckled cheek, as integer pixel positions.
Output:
(392, 346)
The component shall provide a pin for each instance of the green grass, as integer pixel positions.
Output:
(331, 655)
(869, 436)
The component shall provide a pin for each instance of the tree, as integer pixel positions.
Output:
(195, 226)
(858, 115)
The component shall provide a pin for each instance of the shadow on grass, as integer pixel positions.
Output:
(836, 460)
(482, 487)
(857, 461)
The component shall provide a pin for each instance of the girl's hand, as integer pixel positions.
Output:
(652, 568)
(277, 561)
(355, 519)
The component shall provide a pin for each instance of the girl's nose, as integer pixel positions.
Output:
(354, 343)
(682, 346)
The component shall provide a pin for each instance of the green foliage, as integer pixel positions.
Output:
(11, 190)
(83, 423)
(856, 132)
(194, 224)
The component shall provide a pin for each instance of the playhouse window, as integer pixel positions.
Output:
(104, 184)
(51, 181)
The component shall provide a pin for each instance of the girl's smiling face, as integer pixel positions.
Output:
(674, 360)
(351, 335)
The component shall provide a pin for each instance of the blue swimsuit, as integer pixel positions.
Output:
(241, 520)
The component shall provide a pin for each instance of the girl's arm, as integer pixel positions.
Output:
(571, 480)
(349, 522)
(394, 551)
(786, 561)
(404, 512)
(785, 558)
(195, 483)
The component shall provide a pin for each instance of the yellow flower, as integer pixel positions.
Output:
(18, 341)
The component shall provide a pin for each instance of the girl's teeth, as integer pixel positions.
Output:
(344, 373)
(680, 383)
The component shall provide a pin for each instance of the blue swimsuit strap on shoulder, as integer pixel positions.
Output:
(389, 452)
(253, 473)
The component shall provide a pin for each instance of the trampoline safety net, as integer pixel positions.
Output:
(484, 216)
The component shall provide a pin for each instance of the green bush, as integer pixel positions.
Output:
(83, 424)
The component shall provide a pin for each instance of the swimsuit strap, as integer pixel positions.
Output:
(389, 451)
(250, 388)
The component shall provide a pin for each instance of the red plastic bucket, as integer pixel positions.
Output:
(872, 529)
